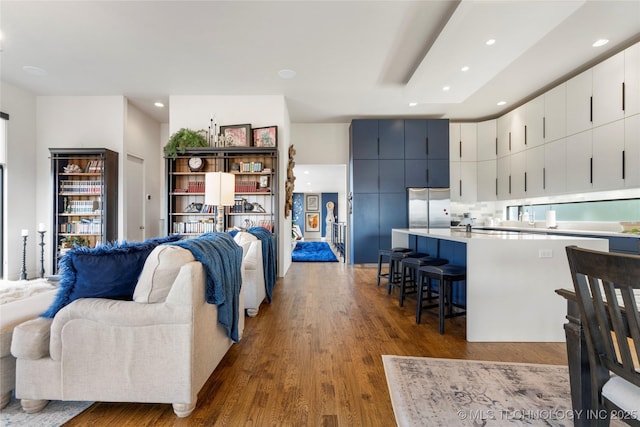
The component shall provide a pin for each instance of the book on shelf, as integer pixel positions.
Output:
(94, 166)
(81, 187)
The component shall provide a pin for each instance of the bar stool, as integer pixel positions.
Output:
(386, 253)
(409, 268)
(395, 272)
(445, 275)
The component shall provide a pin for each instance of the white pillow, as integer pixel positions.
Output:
(159, 272)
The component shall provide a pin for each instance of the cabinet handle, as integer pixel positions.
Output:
(623, 95)
(460, 149)
(544, 178)
(591, 109)
(525, 134)
(460, 188)
(496, 186)
(525, 182)
(591, 170)
(426, 146)
(544, 127)
(378, 148)
(623, 165)
(509, 184)
(496, 145)
(509, 141)
(427, 174)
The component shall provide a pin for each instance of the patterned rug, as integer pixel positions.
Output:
(313, 252)
(448, 392)
(54, 414)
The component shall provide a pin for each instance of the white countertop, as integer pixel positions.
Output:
(561, 231)
(460, 235)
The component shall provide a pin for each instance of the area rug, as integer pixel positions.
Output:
(448, 392)
(54, 414)
(313, 252)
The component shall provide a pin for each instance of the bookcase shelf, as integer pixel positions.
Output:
(85, 201)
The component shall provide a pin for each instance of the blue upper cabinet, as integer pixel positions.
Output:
(391, 134)
(438, 139)
(415, 139)
(426, 147)
(364, 139)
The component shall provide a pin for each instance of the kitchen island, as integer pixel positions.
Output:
(511, 278)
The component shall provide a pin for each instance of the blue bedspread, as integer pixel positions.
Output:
(268, 256)
(222, 259)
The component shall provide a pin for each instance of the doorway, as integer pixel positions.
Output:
(134, 188)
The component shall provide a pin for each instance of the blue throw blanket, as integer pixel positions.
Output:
(268, 256)
(222, 259)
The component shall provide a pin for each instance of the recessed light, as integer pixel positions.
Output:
(286, 74)
(502, 102)
(413, 104)
(490, 42)
(158, 104)
(446, 88)
(306, 172)
(600, 42)
(34, 71)
(465, 68)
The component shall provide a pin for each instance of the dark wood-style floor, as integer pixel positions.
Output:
(313, 357)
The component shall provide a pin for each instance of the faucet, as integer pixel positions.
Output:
(532, 217)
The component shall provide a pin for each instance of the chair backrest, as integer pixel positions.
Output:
(604, 283)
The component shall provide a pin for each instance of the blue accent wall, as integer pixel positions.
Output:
(297, 214)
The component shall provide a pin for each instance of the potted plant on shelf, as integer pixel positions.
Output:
(182, 139)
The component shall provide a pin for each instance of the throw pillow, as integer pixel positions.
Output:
(106, 271)
(160, 271)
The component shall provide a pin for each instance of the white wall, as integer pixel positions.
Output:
(195, 112)
(142, 138)
(77, 122)
(20, 182)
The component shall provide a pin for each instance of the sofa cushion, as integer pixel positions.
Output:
(31, 339)
(106, 271)
(160, 271)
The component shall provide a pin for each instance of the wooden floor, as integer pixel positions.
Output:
(312, 357)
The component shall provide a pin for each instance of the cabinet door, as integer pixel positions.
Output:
(504, 134)
(608, 147)
(518, 173)
(487, 143)
(632, 80)
(555, 113)
(391, 176)
(469, 181)
(393, 214)
(534, 180)
(504, 177)
(468, 149)
(455, 142)
(415, 173)
(455, 181)
(364, 139)
(364, 226)
(391, 134)
(487, 180)
(533, 122)
(415, 139)
(517, 129)
(438, 173)
(608, 77)
(632, 151)
(579, 103)
(438, 139)
(555, 167)
(365, 176)
(579, 162)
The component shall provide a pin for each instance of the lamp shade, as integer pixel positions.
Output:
(219, 188)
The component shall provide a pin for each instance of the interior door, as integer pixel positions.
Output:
(134, 190)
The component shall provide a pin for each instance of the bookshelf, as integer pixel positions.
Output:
(85, 198)
(256, 195)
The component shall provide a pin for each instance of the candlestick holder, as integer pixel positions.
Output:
(41, 244)
(23, 273)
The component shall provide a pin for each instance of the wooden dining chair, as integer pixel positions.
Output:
(604, 283)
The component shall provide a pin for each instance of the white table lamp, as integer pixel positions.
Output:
(219, 190)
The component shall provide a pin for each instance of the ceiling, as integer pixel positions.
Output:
(352, 59)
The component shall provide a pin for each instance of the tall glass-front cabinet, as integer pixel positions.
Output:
(85, 198)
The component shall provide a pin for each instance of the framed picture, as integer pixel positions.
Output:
(312, 202)
(236, 135)
(265, 137)
(312, 222)
(264, 181)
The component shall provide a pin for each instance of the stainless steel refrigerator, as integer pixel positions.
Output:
(429, 208)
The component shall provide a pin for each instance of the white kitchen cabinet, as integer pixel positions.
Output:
(608, 147)
(632, 80)
(555, 167)
(463, 142)
(534, 179)
(518, 171)
(464, 181)
(555, 113)
(487, 132)
(579, 92)
(632, 151)
(533, 122)
(517, 130)
(487, 180)
(608, 79)
(504, 134)
(504, 177)
(579, 156)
